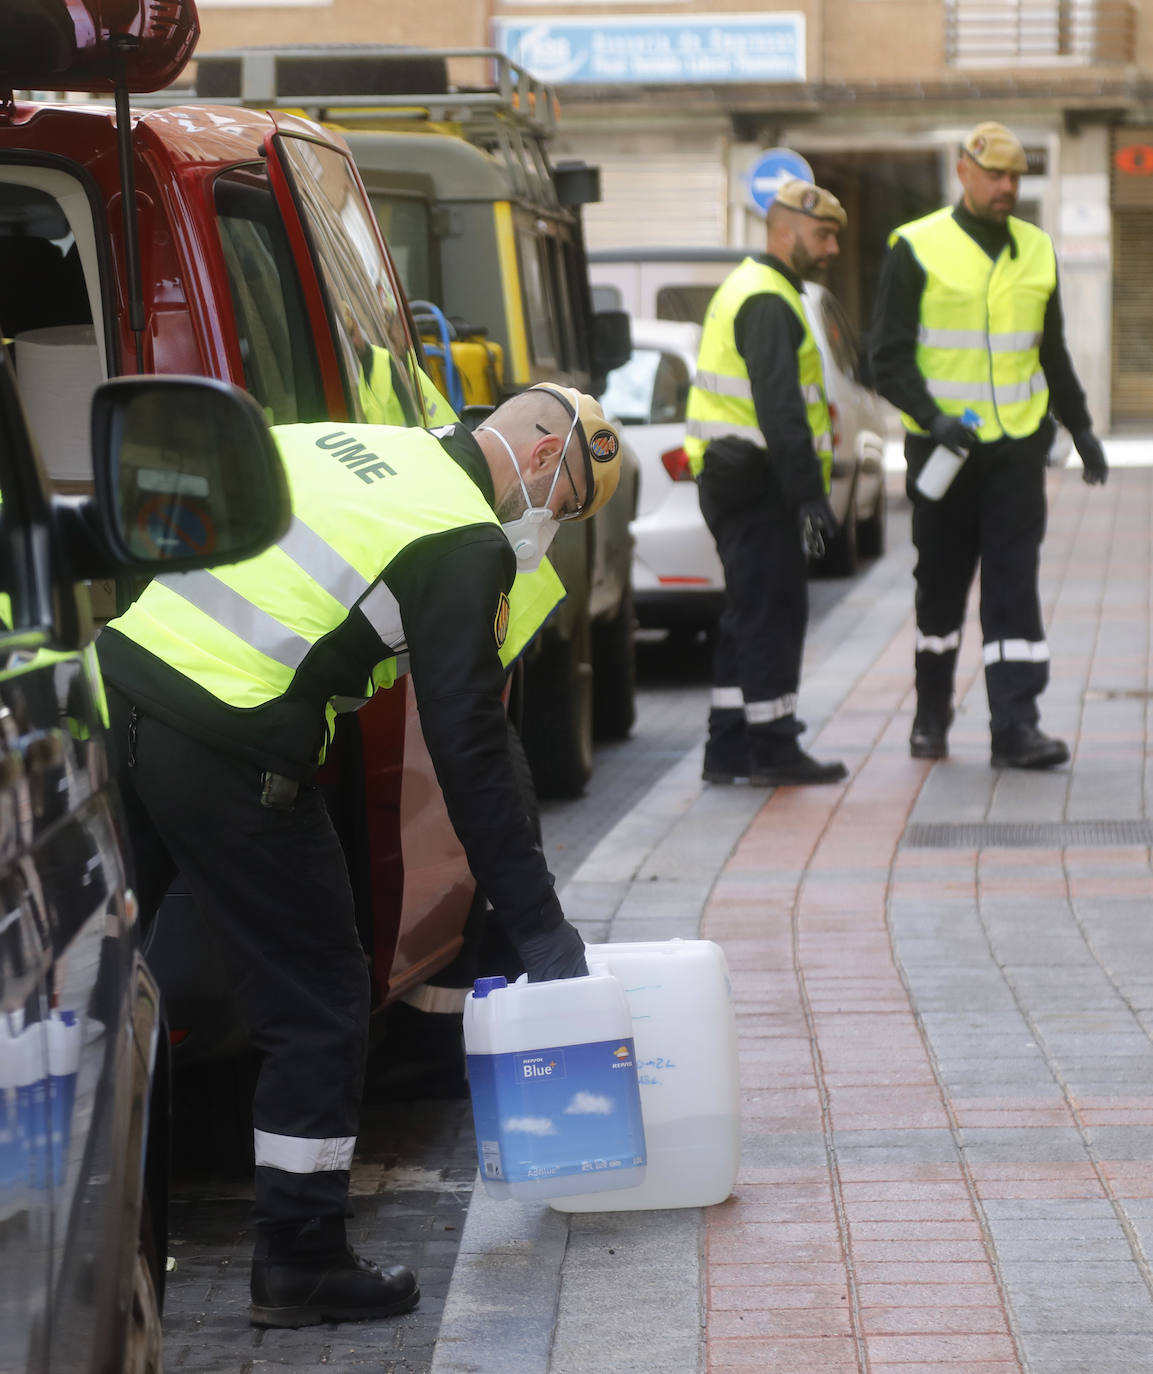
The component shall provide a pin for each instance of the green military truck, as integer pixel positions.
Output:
(452, 146)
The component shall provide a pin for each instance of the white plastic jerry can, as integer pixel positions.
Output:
(684, 1025)
(553, 1076)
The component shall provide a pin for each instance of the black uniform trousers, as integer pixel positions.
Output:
(761, 634)
(275, 886)
(993, 514)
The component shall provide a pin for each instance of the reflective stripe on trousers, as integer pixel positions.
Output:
(298, 1155)
(756, 712)
(1016, 651)
(938, 644)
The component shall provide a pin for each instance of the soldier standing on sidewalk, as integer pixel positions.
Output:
(759, 441)
(968, 319)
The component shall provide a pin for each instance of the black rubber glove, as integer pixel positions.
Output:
(555, 953)
(952, 432)
(1094, 467)
(818, 525)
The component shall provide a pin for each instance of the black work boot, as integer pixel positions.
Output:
(930, 734)
(1024, 746)
(778, 761)
(305, 1275)
(727, 750)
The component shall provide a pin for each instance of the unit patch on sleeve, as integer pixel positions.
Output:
(500, 624)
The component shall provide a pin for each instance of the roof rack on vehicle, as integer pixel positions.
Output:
(503, 109)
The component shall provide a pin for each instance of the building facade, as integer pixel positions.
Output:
(678, 101)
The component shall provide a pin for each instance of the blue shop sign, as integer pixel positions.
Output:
(638, 50)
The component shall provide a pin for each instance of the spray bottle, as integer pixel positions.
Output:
(935, 478)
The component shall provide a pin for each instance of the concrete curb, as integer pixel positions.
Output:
(540, 1292)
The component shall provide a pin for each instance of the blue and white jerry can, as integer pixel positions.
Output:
(555, 1097)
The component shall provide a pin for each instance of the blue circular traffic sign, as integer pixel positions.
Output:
(770, 172)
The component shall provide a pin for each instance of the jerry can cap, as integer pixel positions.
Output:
(483, 986)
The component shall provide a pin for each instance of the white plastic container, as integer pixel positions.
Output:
(936, 477)
(553, 1076)
(684, 1026)
(942, 465)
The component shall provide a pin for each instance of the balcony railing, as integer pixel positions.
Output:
(1040, 33)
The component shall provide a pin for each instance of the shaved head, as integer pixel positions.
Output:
(518, 417)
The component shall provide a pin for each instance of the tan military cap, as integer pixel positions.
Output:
(995, 148)
(812, 201)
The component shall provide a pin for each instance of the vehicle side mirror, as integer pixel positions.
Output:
(612, 340)
(186, 472)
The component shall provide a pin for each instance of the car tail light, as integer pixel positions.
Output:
(676, 464)
(834, 416)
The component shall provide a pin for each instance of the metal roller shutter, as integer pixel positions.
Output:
(655, 188)
(1132, 199)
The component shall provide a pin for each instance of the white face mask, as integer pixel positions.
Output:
(531, 533)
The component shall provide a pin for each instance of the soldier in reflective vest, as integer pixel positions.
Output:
(968, 342)
(408, 551)
(759, 441)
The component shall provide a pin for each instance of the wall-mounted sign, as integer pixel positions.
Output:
(770, 172)
(643, 50)
(1134, 160)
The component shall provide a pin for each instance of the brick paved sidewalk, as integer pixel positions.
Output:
(947, 1051)
(946, 1033)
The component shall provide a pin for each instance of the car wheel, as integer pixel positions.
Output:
(840, 558)
(871, 532)
(615, 672)
(144, 1338)
(557, 716)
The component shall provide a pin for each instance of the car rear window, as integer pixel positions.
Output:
(688, 303)
(650, 389)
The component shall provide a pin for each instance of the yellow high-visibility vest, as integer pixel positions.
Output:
(721, 398)
(361, 495)
(979, 345)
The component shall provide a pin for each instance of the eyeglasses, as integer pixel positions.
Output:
(577, 509)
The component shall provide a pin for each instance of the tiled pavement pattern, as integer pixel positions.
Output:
(946, 1053)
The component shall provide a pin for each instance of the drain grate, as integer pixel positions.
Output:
(1041, 835)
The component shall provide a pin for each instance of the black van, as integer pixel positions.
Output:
(83, 1066)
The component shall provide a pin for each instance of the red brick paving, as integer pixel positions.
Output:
(841, 1266)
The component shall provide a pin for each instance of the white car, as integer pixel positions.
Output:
(677, 576)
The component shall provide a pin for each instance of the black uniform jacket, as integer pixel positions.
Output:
(449, 588)
(897, 319)
(768, 334)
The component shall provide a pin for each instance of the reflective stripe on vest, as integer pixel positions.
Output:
(720, 400)
(979, 342)
(361, 495)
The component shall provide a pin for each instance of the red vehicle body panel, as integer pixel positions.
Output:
(421, 887)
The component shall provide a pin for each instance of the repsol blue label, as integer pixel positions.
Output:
(550, 1113)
